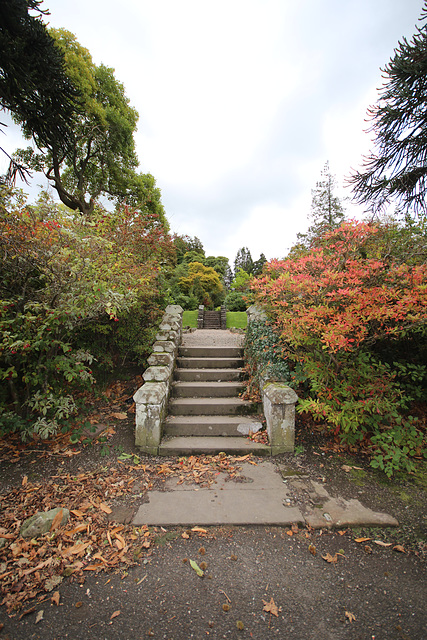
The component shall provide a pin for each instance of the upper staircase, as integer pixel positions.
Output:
(206, 413)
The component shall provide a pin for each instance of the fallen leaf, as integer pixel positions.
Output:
(52, 582)
(120, 416)
(78, 605)
(312, 549)
(24, 480)
(71, 532)
(271, 607)
(55, 598)
(105, 508)
(399, 548)
(330, 558)
(383, 544)
(196, 568)
(289, 532)
(39, 616)
(362, 539)
(115, 614)
(295, 528)
(350, 616)
(76, 549)
(56, 522)
(77, 513)
(185, 535)
(199, 530)
(346, 468)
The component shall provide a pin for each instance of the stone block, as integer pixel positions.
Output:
(255, 313)
(161, 359)
(157, 374)
(164, 346)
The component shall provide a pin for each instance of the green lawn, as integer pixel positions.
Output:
(189, 319)
(235, 319)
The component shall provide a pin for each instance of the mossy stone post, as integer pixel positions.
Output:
(279, 410)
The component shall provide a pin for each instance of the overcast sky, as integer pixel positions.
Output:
(242, 102)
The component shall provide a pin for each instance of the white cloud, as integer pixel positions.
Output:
(241, 102)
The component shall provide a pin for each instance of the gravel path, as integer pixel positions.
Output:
(212, 338)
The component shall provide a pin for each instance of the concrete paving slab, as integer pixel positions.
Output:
(259, 496)
(210, 508)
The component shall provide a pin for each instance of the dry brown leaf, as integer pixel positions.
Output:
(185, 535)
(75, 550)
(114, 615)
(383, 544)
(78, 529)
(24, 481)
(119, 416)
(362, 539)
(56, 522)
(105, 508)
(399, 548)
(271, 607)
(199, 530)
(55, 598)
(120, 539)
(77, 513)
(312, 549)
(330, 558)
(289, 532)
(351, 617)
(295, 528)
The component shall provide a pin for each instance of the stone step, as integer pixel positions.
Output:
(210, 407)
(205, 426)
(209, 363)
(210, 352)
(218, 375)
(206, 389)
(186, 446)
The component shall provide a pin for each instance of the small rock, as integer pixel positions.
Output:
(41, 522)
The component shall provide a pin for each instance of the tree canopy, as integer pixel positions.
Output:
(100, 159)
(396, 170)
(33, 84)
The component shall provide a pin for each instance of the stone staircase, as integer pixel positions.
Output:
(212, 320)
(206, 414)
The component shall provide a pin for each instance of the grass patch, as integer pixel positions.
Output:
(237, 320)
(189, 319)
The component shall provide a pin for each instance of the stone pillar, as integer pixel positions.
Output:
(201, 317)
(279, 410)
(151, 408)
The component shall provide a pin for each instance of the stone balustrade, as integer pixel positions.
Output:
(152, 398)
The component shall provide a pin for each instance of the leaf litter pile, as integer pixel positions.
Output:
(90, 540)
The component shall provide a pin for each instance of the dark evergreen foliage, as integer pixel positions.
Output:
(33, 84)
(397, 168)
